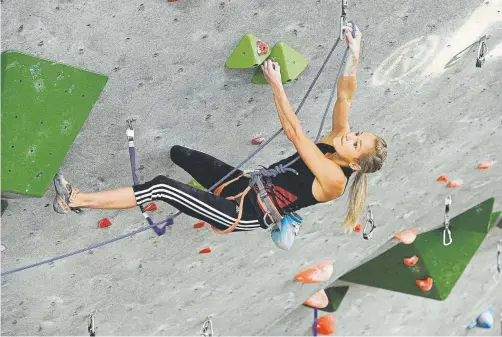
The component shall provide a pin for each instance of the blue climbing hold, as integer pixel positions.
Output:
(484, 320)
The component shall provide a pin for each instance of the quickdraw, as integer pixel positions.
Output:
(369, 226)
(91, 328)
(446, 229)
(496, 277)
(482, 51)
(207, 327)
(343, 18)
(132, 156)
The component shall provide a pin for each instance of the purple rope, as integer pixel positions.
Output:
(315, 321)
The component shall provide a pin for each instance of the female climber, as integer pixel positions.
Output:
(321, 174)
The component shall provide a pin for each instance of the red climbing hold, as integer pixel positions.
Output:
(199, 225)
(443, 179)
(456, 183)
(172, 0)
(262, 48)
(410, 261)
(104, 223)
(407, 237)
(319, 273)
(426, 284)
(205, 251)
(319, 300)
(258, 140)
(325, 325)
(358, 228)
(150, 207)
(486, 164)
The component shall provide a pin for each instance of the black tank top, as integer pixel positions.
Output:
(294, 192)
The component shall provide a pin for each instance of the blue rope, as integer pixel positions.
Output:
(152, 225)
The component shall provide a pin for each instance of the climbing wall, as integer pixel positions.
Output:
(444, 264)
(44, 105)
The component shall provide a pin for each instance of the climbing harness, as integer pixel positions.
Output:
(496, 277)
(91, 328)
(132, 156)
(169, 221)
(482, 51)
(446, 229)
(207, 327)
(369, 226)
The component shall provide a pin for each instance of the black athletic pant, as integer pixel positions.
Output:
(207, 170)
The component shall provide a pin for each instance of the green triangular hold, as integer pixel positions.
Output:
(444, 264)
(292, 64)
(493, 220)
(335, 296)
(247, 54)
(194, 183)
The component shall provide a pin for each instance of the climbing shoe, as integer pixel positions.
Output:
(64, 195)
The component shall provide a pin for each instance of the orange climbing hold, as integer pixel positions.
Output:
(407, 237)
(358, 228)
(205, 251)
(103, 223)
(426, 284)
(443, 179)
(325, 325)
(486, 164)
(319, 300)
(150, 207)
(456, 183)
(410, 261)
(199, 225)
(319, 273)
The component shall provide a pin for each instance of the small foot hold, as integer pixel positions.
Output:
(410, 261)
(319, 273)
(150, 207)
(319, 300)
(407, 237)
(325, 325)
(103, 223)
(205, 251)
(425, 285)
(456, 183)
(443, 179)
(486, 164)
(199, 225)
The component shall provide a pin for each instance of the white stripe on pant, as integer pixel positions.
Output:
(165, 191)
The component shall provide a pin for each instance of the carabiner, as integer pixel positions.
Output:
(482, 51)
(343, 18)
(367, 234)
(91, 328)
(447, 231)
(207, 327)
(496, 277)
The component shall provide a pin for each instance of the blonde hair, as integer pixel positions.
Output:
(369, 163)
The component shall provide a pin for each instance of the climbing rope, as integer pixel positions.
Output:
(446, 229)
(254, 153)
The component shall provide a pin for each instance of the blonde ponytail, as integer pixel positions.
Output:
(369, 163)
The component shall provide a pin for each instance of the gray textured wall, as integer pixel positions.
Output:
(165, 63)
